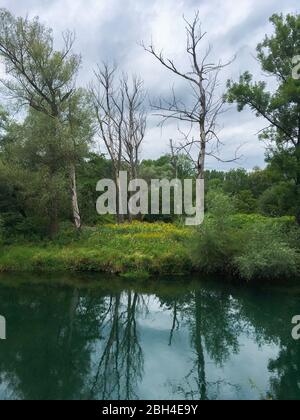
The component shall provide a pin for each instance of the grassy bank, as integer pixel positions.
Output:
(244, 247)
(138, 248)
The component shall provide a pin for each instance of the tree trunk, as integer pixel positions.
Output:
(298, 183)
(74, 197)
(298, 200)
(132, 176)
(201, 368)
(120, 217)
(53, 223)
(202, 154)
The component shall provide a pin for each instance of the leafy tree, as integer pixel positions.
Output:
(235, 181)
(33, 172)
(245, 202)
(277, 200)
(32, 175)
(281, 108)
(259, 180)
(42, 78)
(157, 169)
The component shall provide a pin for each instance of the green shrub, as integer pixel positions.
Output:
(267, 255)
(1, 231)
(247, 220)
(278, 200)
(68, 234)
(252, 247)
(18, 229)
(218, 240)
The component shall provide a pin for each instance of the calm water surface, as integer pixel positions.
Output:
(82, 339)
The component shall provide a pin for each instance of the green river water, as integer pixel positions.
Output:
(93, 337)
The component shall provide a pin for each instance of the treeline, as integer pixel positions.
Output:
(261, 191)
(25, 197)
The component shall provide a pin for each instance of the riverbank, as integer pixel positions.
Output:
(247, 248)
(130, 249)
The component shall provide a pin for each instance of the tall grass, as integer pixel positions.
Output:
(128, 248)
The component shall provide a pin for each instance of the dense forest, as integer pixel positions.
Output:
(50, 130)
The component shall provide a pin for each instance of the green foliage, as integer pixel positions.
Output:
(121, 249)
(1, 231)
(248, 187)
(157, 169)
(277, 200)
(169, 168)
(251, 247)
(285, 223)
(217, 240)
(67, 235)
(40, 76)
(34, 167)
(17, 229)
(58, 129)
(245, 202)
(281, 108)
(89, 172)
(267, 255)
(38, 154)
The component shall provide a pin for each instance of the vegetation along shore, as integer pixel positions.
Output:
(64, 138)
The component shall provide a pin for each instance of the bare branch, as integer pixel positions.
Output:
(206, 103)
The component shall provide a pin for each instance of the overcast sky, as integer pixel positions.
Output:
(112, 30)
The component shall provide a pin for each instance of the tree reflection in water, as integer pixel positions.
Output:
(213, 321)
(120, 367)
(84, 342)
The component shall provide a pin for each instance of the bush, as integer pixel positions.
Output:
(218, 240)
(278, 200)
(267, 255)
(68, 234)
(1, 231)
(286, 223)
(16, 228)
(252, 247)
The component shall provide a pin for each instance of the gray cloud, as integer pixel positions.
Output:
(112, 31)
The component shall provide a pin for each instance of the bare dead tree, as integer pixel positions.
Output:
(205, 104)
(109, 102)
(121, 119)
(135, 123)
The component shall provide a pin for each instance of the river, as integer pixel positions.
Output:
(95, 337)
